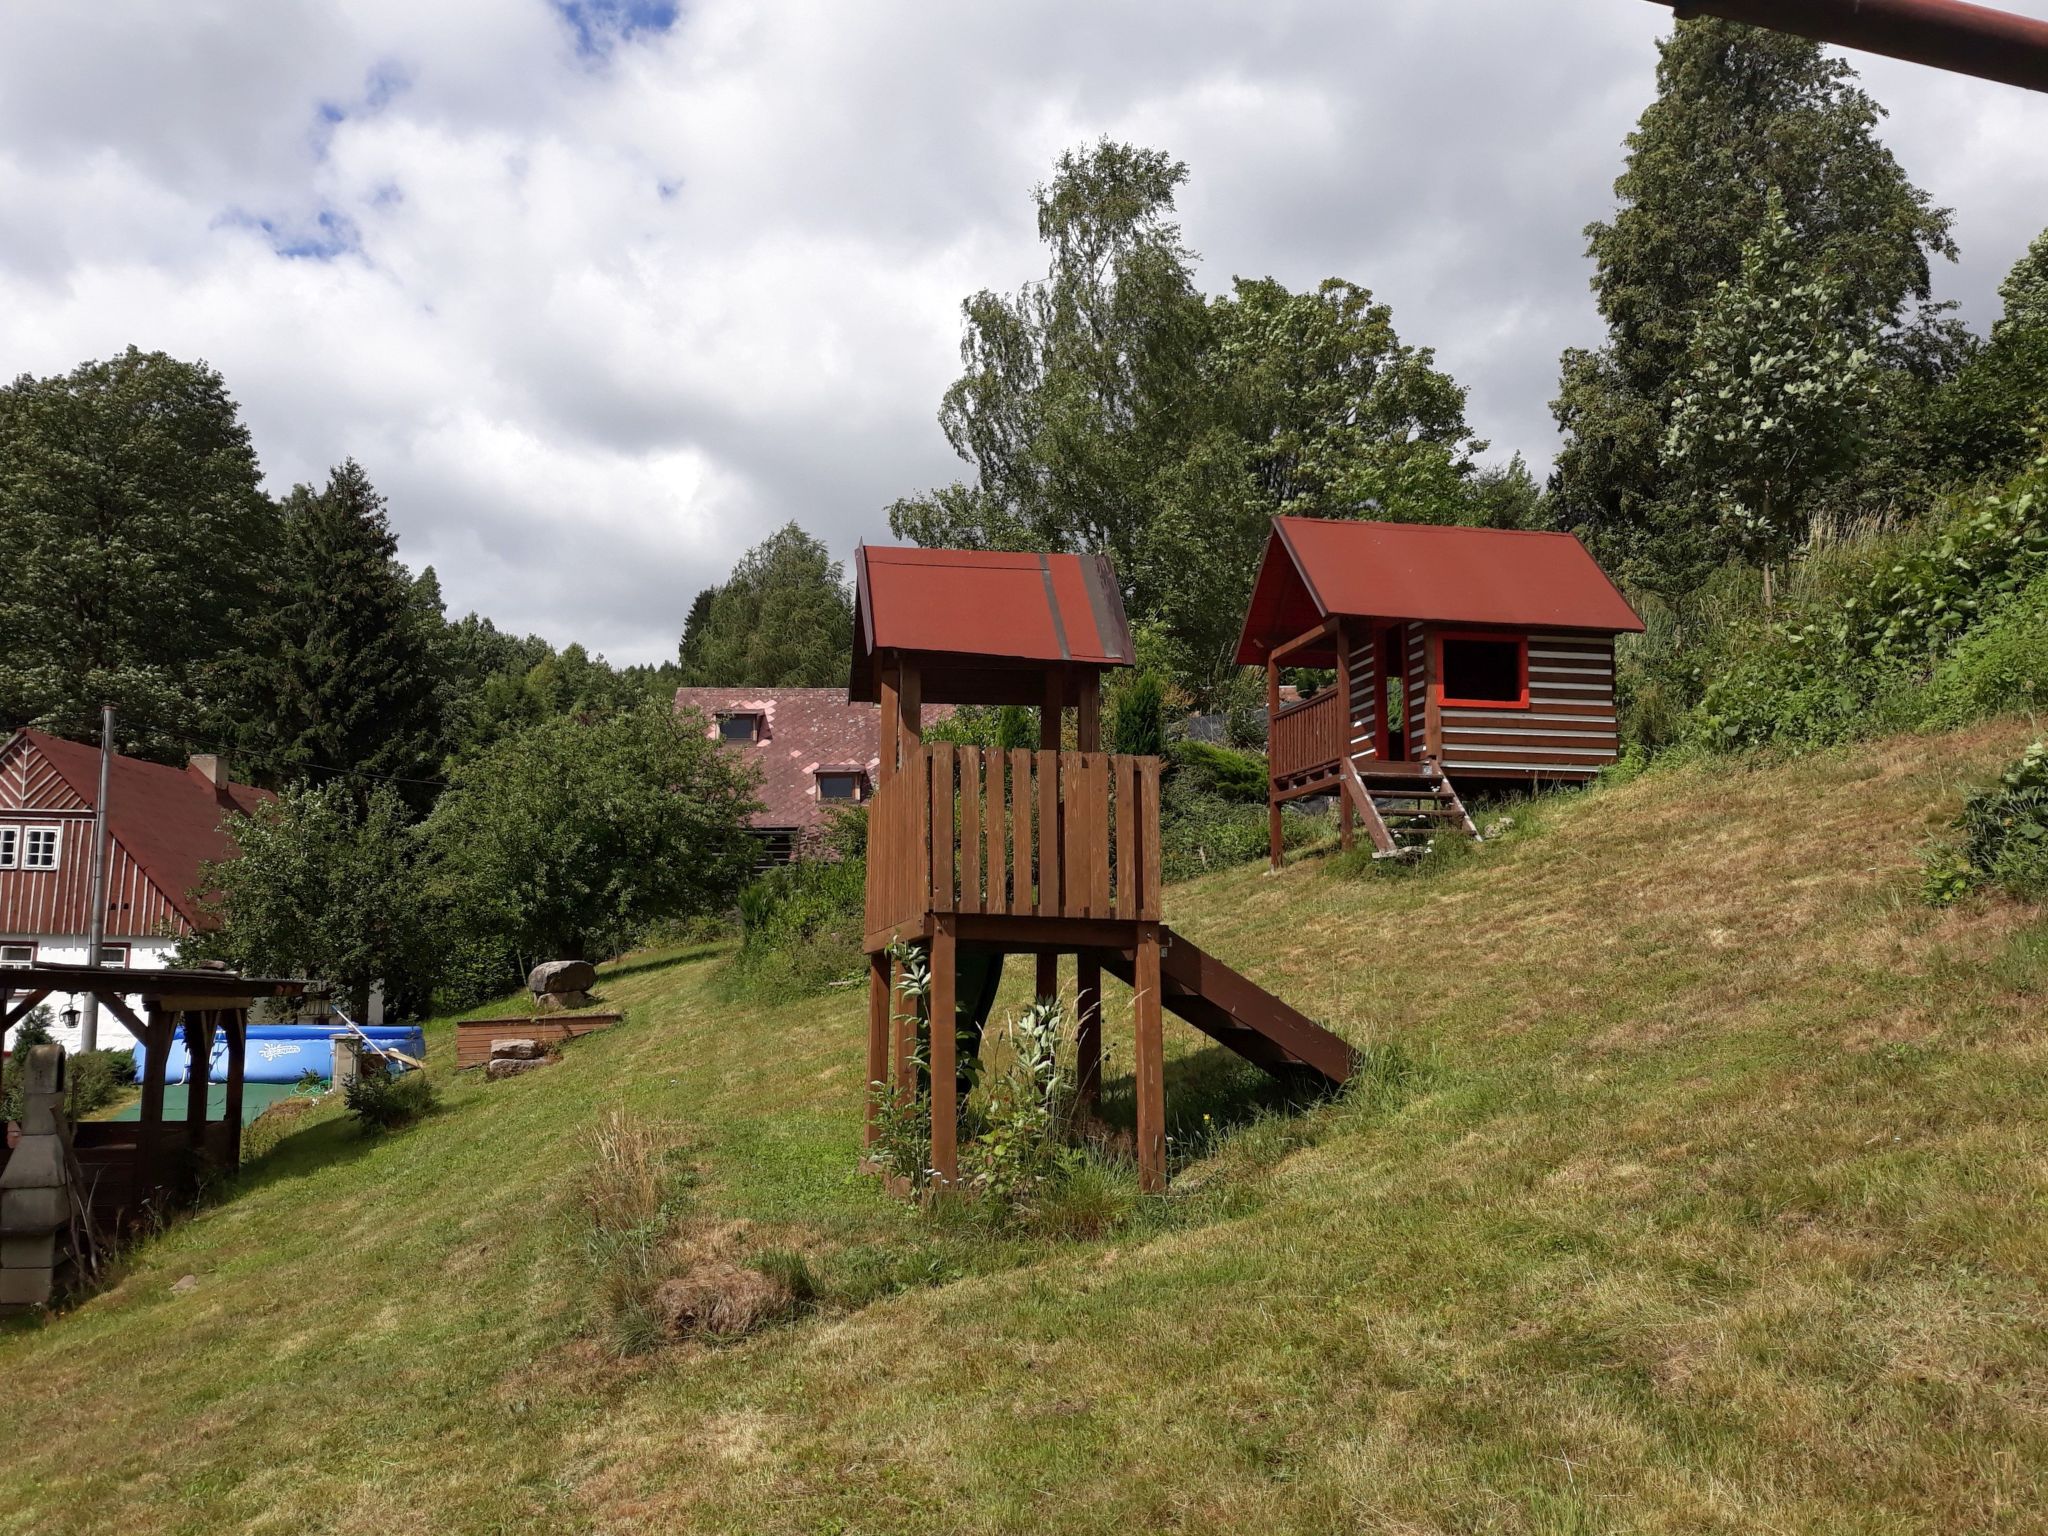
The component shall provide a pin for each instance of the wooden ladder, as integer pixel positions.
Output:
(1402, 810)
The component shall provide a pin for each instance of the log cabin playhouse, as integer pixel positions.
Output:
(1044, 853)
(1483, 653)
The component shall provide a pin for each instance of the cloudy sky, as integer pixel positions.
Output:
(600, 291)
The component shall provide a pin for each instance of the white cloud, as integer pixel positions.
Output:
(597, 318)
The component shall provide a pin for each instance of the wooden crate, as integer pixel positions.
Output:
(473, 1037)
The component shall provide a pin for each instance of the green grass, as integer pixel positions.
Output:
(1697, 1185)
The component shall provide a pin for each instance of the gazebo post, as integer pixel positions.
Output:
(156, 1054)
(199, 1053)
(236, 1022)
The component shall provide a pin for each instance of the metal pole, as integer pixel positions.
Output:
(96, 918)
(1947, 34)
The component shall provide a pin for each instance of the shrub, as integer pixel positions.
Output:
(1137, 720)
(95, 1079)
(34, 1029)
(1201, 768)
(2005, 827)
(379, 1101)
(800, 928)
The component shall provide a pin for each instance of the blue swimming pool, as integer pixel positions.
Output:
(283, 1053)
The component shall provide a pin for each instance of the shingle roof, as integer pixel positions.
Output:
(168, 819)
(803, 730)
(1315, 568)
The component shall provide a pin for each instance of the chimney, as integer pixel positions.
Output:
(212, 770)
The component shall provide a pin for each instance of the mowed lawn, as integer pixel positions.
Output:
(1711, 1199)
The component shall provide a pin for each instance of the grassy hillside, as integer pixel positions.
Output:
(1715, 1202)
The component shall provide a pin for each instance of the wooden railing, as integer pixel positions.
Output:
(1017, 833)
(1307, 737)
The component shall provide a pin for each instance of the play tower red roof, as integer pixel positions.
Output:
(985, 625)
(1316, 568)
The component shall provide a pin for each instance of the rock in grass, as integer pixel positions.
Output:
(505, 1066)
(517, 1050)
(556, 976)
(561, 1002)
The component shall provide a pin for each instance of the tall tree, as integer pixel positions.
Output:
(346, 681)
(783, 619)
(133, 531)
(1111, 407)
(1774, 395)
(1739, 111)
(1993, 417)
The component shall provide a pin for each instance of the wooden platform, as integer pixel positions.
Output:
(473, 1037)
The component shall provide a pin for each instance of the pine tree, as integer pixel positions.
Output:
(347, 685)
(783, 619)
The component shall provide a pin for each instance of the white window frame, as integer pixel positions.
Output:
(10, 846)
(120, 954)
(28, 847)
(17, 964)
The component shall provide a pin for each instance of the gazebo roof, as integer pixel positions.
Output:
(985, 626)
(204, 986)
(1316, 568)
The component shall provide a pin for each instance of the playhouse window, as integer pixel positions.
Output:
(739, 727)
(838, 786)
(39, 847)
(1486, 671)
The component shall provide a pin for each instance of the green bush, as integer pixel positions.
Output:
(1137, 718)
(95, 1079)
(1199, 768)
(800, 928)
(382, 1102)
(2005, 827)
(2001, 665)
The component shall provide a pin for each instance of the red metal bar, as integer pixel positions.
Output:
(1947, 34)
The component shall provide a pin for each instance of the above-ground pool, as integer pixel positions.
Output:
(284, 1053)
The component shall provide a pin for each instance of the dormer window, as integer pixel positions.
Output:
(841, 783)
(30, 847)
(739, 725)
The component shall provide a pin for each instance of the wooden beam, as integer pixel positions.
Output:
(1306, 638)
(892, 726)
(1088, 713)
(1151, 1063)
(1050, 709)
(877, 1081)
(910, 708)
(236, 1023)
(156, 1055)
(1272, 799)
(945, 1071)
(1344, 833)
(16, 1012)
(199, 1056)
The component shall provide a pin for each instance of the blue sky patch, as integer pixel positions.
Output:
(323, 237)
(598, 24)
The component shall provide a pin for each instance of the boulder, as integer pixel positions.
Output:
(561, 1002)
(516, 1050)
(507, 1066)
(555, 976)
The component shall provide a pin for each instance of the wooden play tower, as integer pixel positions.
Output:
(1044, 852)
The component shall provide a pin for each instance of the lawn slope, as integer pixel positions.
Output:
(1713, 1202)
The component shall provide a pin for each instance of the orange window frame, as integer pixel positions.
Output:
(1446, 699)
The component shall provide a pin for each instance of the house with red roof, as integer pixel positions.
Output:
(163, 824)
(815, 752)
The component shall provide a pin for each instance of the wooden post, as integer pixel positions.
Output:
(1272, 789)
(891, 727)
(1051, 833)
(1344, 831)
(156, 1055)
(945, 1084)
(878, 1044)
(199, 1071)
(236, 1022)
(1151, 1063)
(1088, 714)
(1088, 1033)
(1432, 711)
(909, 696)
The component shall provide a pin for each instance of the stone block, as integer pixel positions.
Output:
(33, 1211)
(561, 1002)
(516, 1050)
(37, 1163)
(38, 1113)
(504, 1067)
(32, 1252)
(24, 1287)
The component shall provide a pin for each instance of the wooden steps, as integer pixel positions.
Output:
(1403, 804)
(1239, 1014)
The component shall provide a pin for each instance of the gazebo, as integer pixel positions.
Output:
(132, 1166)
